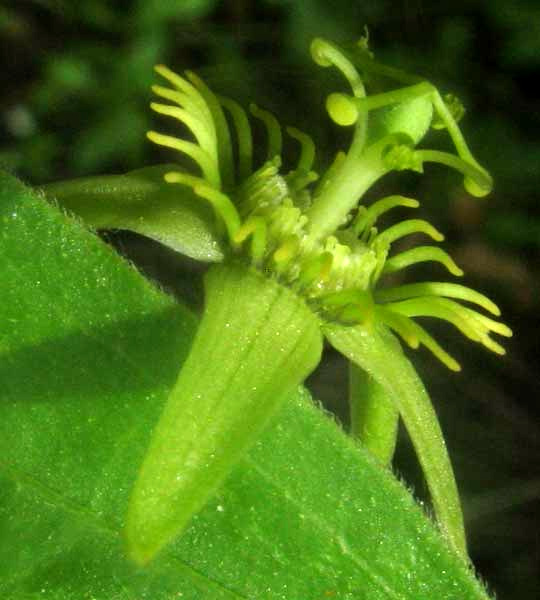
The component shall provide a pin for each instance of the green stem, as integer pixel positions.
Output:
(374, 417)
(377, 351)
(256, 342)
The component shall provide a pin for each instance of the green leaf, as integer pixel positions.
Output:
(141, 201)
(89, 351)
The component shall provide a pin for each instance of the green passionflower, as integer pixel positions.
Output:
(299, 259)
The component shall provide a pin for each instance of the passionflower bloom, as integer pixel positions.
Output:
(299, 258)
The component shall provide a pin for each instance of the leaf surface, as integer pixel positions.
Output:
(89, 350)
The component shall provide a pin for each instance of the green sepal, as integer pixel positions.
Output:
(256, 342)
(376, 350)
(141, 201)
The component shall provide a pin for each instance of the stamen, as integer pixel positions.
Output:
(390, 235)
(434, 288)
(201, 157)
(368, 217)
(273, 130)
(307, 152)
(418, 255)
(243, 136)
(222, 130)
(425, 339)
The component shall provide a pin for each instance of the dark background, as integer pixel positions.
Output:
(74, 94)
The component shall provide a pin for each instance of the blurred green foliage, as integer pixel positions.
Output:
(74, 101)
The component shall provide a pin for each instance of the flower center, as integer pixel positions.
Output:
(312, 234)
(271, 205)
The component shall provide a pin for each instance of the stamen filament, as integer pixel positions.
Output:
(307, 151)
(488, 323)
(201, 157)
(390, 235)
(415, 100)
(421, 254)
(433, 346)
(243, 136)
(194, 105)
(365, 62)
(273, 130)
(222, 130)
(435, 288)
(199, 129)
(367, 218)
(401, 324)
(220, 202)
(181, 84)
(435, 307)
(223, 207)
